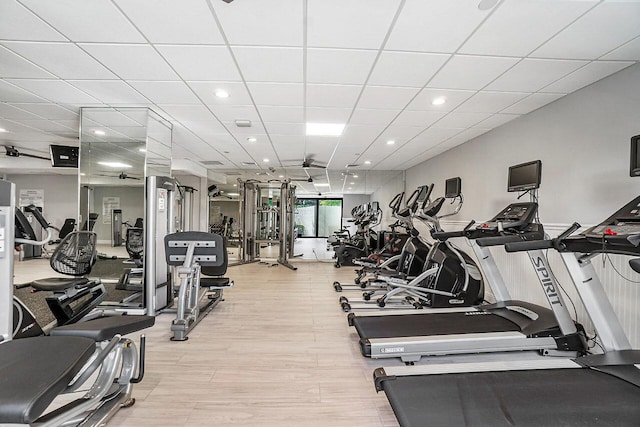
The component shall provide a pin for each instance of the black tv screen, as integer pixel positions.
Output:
(63, 156)
(634, 168)
(525, 176)
(452, 187)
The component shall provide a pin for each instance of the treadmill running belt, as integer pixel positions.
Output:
(430, 324)
(535, 398)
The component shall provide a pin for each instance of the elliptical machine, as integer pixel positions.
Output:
(361, 243)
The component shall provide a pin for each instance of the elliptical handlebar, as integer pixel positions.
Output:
(38, 215)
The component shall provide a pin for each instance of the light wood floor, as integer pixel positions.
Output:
(277, 352)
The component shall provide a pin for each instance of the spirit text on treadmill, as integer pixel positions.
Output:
(392, 350)
(547, 282)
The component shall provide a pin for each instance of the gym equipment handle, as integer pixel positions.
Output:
(528, 246)
(36, 213)
(498, 240)
(444, 235)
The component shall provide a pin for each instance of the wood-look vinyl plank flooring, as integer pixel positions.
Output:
(277, 352)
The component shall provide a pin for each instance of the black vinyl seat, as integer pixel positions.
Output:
(105, 328)
(33, 372)
(212, 277)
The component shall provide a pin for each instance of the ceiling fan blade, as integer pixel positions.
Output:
(313, 165)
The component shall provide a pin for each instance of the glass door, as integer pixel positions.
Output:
(306, 217)
(318, 217)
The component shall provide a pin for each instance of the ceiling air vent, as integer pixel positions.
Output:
(211, 163)
(232, 173)
(243, 123)
(353, 165)
(248, 163)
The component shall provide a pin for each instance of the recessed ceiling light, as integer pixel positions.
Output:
(367, 162)
(439, 100)
(233, 194)
(252, 139)
(325, 129)
(355, 176)
(321, 184)
(265, 160)
(221, 93)
(83, 174)
(280, 176)
(99, 132)
(2, 130)
(351, 183)
(390, 142)
(142, 150)
(349, 188)
(235, 185)
(114, 164)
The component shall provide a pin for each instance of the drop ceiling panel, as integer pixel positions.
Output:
(453, 98)
(338, 23)
(201, 62)
(285, 128)
(165, 92)
(242, 133)
(628, 51)
(320, 148)
(531, 75)
(12, 93)
(406, 68)
(332, 95)
(366, 116)
(57, 91)
(20, 24)
(13, 66)
(386, 97)
(268, 64)
(206, 91)
(135, 62)
(442, 25)
(490, 102)
(277, 93)
(461, 120)
(277, 114)
(532, 102)
(328, 115)
(586, 75)
(64, 60)
(112, 92)
(471, 72)
(601, 30)
(205, 129)
(354, 65)
(357, 137)
(400, 134)
(262, 23)
(186, 21)
(497, 120)
(418, 118)
(508, 31)
(87, 21)
(181, 113)
(231, 113)
(13, 113)
(50, 111)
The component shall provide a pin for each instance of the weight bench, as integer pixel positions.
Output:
(35, 371)
(196, 253)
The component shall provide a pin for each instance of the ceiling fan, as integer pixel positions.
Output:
(308, 162)
(122, 175)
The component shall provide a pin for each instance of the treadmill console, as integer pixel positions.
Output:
(514, 217)
(619, 226)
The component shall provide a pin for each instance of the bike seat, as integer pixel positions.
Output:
(59, 283)
(104, 328)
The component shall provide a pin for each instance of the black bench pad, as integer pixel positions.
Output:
(104, 328)
(205, 282)
(33, 372)
(58, 283)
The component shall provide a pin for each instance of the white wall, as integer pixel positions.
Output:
(199, 201)
(387, 192)
(131, 203)
(583, 142)
(349, 201)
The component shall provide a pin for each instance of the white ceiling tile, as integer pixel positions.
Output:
(418, 118)
(207, 130)
(464, 136)
(433, 136)
(198, 113)
(57, 91)
(201, 62)
(502, 33)
(135, 62)
(453, 98)
(166, 21)
(532, 102)
(434, 25)
(628, 51)
(166, 92)
(261, 23)
(285, 128)
(490, 102)
(231, 113)
(13, 113)
(11, 93)
(366, 116)
(206, 91)
(355, 135)
(87, 21)
(400, 133)
(320, 149)
(51, 126)
(332, 95)
(386, 97)
(270, 113)
(460, 120)
(497, 120)
(19, 24)
(531, 75)
(241, 133)
(350, 24)
(65, 60)
(50, 111)
(586, 75)
(269, 64)
(339, 66)
(406, 68)
(328, 115)
(110, 91)
(604, 28)
(13, 66)
(471, 72)
(276, 93)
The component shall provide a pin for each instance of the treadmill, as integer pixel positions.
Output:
(505, 326)
(546, 392)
